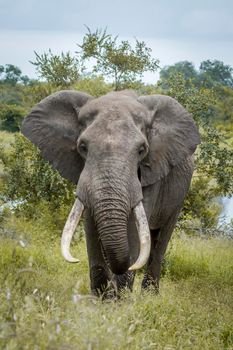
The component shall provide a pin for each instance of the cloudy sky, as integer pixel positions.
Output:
(176, 30)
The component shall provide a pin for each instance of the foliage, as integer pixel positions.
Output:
(11, 75)
(45, 302)
(214, 160)
(95, 86)
(223, 108)
(185, 68)
(11, 117)
(201, 210)
(197, 101)
(120, 62)
(11, 95)
(59, 70)
(216, 73)
(211, 74)
(37, 92)
(30, 179)
(5, 143)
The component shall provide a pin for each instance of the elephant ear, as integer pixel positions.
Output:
(172, 137)
(53, 127)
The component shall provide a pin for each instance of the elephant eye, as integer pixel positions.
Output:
(142, 150)
(83, 149)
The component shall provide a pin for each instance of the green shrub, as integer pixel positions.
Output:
(95, 86)
(31, 179)
(37, 91)
(11, 117)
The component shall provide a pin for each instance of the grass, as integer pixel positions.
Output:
(45, 302)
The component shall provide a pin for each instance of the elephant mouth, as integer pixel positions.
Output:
(141, 225)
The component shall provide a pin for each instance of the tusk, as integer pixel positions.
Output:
(144, 236)
(69, 228)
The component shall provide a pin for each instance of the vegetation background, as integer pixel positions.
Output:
(44, 302)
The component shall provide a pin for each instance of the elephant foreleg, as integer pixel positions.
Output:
(159, 241)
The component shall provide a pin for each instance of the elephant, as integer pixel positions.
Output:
(131, 158)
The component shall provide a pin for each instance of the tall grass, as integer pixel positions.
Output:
(45, 302)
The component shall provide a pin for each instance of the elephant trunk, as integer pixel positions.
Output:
(111, 210)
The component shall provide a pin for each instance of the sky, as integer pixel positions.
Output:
(175, 30)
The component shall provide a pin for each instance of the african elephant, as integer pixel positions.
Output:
(131, 158)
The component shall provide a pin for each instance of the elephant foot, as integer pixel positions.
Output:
(102, 285)
(125, 281)
(110, 294)
(99, 280)
(117, 285)
(150, 284)
(109, 287)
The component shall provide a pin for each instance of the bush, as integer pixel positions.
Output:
(11, 117)
(36, 92)
(31, 179)
(95, 86)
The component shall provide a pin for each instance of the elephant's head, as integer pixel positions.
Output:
(111, 147)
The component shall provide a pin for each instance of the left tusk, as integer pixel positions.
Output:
(144, 237)
(69, 229)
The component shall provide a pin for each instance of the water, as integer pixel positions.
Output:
(227, 211)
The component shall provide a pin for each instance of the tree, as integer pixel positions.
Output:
(185, 68)
(214, 73)
(223, 108)
(211, 74)
(59, 70)
(120, 62)
(25, 80)
(12, 75)
(1, 70)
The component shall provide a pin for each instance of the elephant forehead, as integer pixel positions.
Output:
(112, 132)
(114, 138)
(114, 125)
(111, 128)
(113, 107)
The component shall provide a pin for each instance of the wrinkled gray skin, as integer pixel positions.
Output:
(119, 149)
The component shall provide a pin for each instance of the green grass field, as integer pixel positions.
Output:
(45, 302)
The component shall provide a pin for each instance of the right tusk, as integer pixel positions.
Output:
(69, 229)
(144, 237)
